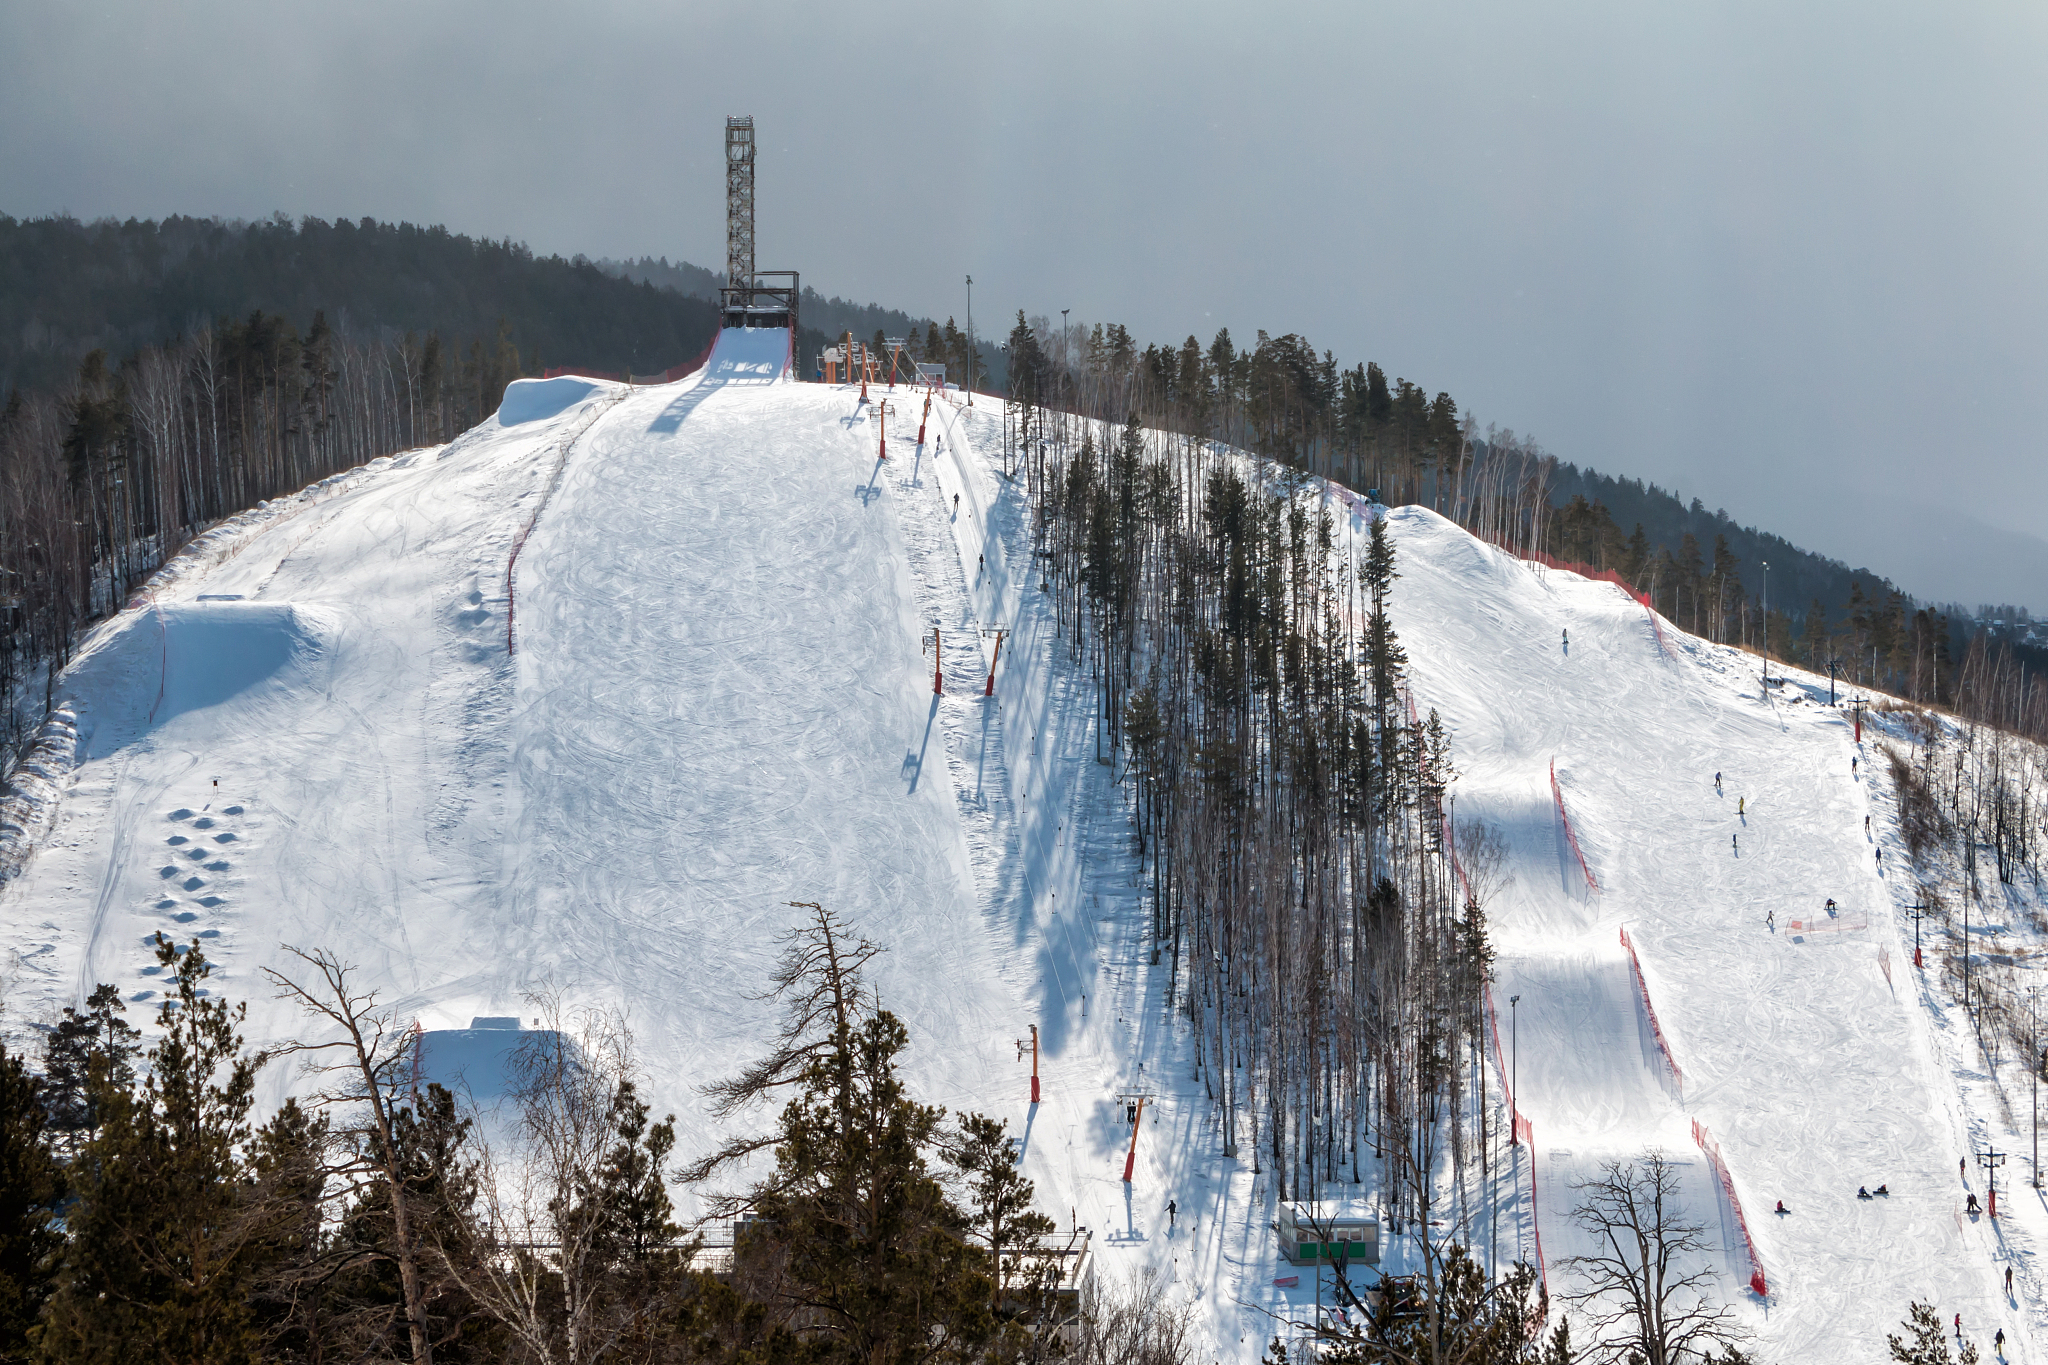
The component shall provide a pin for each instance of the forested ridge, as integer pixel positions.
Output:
(67, 288)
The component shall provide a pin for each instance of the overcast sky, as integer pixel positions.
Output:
(1791, 259)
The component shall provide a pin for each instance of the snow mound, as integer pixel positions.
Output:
(480, 1061)
(533, 400)
(203, 653)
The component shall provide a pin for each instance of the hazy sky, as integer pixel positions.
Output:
(1792, 259)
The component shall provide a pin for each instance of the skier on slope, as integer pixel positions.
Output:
(1717, 784)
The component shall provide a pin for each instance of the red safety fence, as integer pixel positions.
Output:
(1526, 1131)
(1570, 835)
(1713, 1150)
(1643, 989)
(667, 376)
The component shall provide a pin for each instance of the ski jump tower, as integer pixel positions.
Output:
(750, 297)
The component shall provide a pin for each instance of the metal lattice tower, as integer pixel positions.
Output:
(739, 201)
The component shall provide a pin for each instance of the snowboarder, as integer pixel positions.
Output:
(1771, 920)
(1717, 784)
(1735, 842)
(1172, 1213)
(1742, 805)
(1862, 1193)
(1567, 637)
(1831, 907)
(1883, 1193)
(1970, 1205)
(1781, 1209)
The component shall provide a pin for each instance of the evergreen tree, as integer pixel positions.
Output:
(853, 1247)
(99, 1036)
(1929, 1343)
(165, 1237)
(31, 1188)
(999, 1205)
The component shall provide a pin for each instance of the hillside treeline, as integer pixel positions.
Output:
(1282, 401)
(1319, 914)
(151, 1213)
(68, 288)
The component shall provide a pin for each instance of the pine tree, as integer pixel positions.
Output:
(31, 1188)
(164, 1242)
(999, 1203)
(98, 1037)
(853, 1246)
(1929, 1344)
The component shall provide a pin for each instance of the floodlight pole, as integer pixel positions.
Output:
(970, 341)
(1766, 650)
(1514, 1070)
(2034, 1071)
(1917, 910)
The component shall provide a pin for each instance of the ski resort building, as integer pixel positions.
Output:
(1328, 1233)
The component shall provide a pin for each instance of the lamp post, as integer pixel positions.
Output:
(1917, 910)
(1766, 651)
(971, 356)
(1514, 1069)
(2034, 1071)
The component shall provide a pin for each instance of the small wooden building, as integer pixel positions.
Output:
(1329, 1232)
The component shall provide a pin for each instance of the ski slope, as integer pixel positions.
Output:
(1816, 1075)
(581, 700)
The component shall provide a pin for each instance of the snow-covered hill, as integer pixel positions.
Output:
(353, 724)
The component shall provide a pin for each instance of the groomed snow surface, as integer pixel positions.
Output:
(701, 695)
